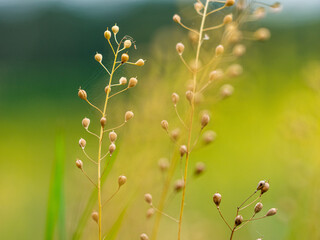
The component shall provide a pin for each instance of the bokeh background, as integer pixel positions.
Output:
(269, 128)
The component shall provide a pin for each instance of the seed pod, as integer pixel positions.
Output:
(144, 236)
(265, 188)
(215, 75)
(163, 164)
(227, 19)
(82, 94)
(123, 81)
(200, 167)
(112, 148)
(150, 212)
(229, 3)
(276, 7)
(148, 198)
(258, 207)
(183, 150)
(112, 136)
(239, 50)
(98, 57)
(124, 58)
(219, 50)
(175, 133)
(103, 121)
(107, 34)
(262, 34)
(176, 18)
(260, 13)
(95, 216)
(189, 96)
(175, 98)
(271, 212)
(209, 136)
(180, 48)
(217, 199)
(234, 70)
(115, 29)
(238, 220)
(205, 120)
(122, 180)
(194, 37)
(179, 184)
(86, 123)
(261, 184)
(226, 90)
(127, 44)
(79, 164)
(107, 89)
(82, 143)
(140, 62)
(132, 82)
(198, 6)
(165, 124)
(128, 115)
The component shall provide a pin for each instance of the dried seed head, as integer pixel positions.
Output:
(189, 95)
(128, 115)
(115, 29)
(79, 163)
(98, 57)
(183, 150)
(107, 89)
(123, 81)
(227, 19)
(229, 3)
(262, 34)
(260, 12)
(127, 44)
(216, 75)
(176, 18)
(226, 90)
(165, 124)
(150, 212)
(258, 207)
(180, 48)
(148, 198)
(163, 164)
(205, 118)
(82, 143)
(175, 133)
(200, 167)
(107, 34)
(194, 37)
(178, 185)
(103, 121)
(238, 220)
(276, 7)
(261, 184)
(86, 123)
(112, 136)
(209, 136)
(175, 98)
(140, 62)
(198, 6)
(194, 65)
(234, 70)
(265, 188)
(239, 50)
(219, 50)
(124, 58)
(217, 199)
(198, 98)
(112, 148)
(271, 212)
(122, 180)
(132, 82)
(95, 216)
(144, 236)
(82, 94)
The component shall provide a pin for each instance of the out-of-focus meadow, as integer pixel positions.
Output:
(269, 128)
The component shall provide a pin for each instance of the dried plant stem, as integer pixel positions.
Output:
(164, 214)
(232, 232)
(250, 203)
(182, 122)
(224, 219)
(115, 193)
(191, 117)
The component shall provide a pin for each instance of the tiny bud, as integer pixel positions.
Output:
(175, 98)
(132, 82)
(123, 81)
(209, 137)
(205, 120)
(103, 121)
(95, 216)
(189, 95)
(227, 19)
(150, 212)
(258, 207)
(226, 90)
(107, 89)
(260, 12)
(98, 57)
(176, 18)
(180, 48)
(234, 70)
(261, 185)
(122, 180)
(276, 7)
(140, 62)
(239, 50)
(262, 34)
(217, 199)
(86, 123)
(148, 198)
(229, 3)
(107, 34)
(219, 50)
(79, 164)
(238, 220)
(82, 94)
(175, 133)
(183, 150)
(163, 164)
(82, 143)
(198, 6)
(200, 167)
(265, 188)
(124, 58)
(144, 236)
(127, 44)
(115, 29)
(179, 184)
(271, 212)
(112, 148)
(215, 75)
(112, 136)
(128, 115)
(165, 124)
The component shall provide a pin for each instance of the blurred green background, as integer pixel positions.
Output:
(269, 128)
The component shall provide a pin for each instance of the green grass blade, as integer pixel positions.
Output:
(113, 232)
